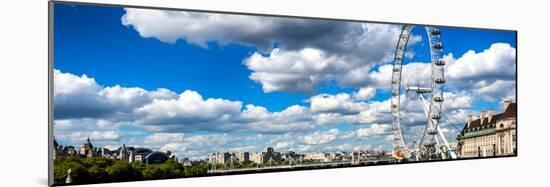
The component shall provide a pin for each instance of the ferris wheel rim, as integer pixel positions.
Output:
(436, 87)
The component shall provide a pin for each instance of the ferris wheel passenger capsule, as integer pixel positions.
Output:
(432, 131)
(440, 62)
(438, 45)
(436, 32)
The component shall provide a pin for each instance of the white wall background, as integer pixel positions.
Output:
(23, 92)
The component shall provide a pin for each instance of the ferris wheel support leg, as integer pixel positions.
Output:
(438, 148)
(424, 104)
(449, 151)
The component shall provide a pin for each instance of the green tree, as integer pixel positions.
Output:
(97, 174)
(122, 171)
(151, 172)
(171, 169)
(96, 169)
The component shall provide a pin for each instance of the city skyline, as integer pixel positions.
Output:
(233, 82)
(86, 149)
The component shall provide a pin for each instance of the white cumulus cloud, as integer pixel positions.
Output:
(81, 96)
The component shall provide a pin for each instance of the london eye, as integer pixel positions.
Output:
(432, 143)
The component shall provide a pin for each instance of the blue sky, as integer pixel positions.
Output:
(122, 47)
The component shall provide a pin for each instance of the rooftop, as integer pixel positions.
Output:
(509, 112)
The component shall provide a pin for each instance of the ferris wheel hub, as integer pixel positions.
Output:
(418, 89)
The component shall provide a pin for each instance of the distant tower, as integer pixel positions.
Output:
(123, 152)
(87, 148)
(132, 157)
(352, 158)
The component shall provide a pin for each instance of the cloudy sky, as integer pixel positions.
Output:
(196, 83)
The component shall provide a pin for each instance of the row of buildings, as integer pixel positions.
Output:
(270, 156)
(489, 134)
(260, 157)
(131, 154)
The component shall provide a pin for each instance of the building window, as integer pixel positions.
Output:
(501, 125)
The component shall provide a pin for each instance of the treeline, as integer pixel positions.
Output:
(85, 170)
